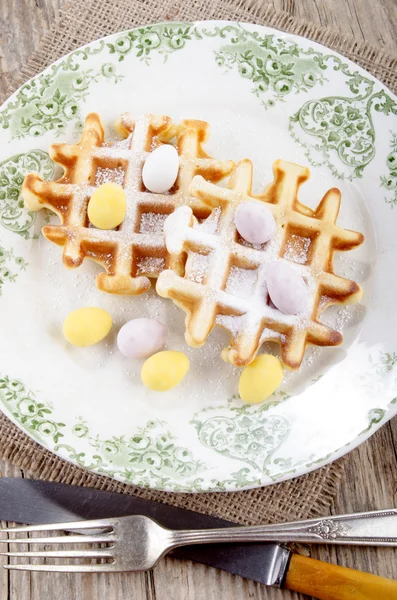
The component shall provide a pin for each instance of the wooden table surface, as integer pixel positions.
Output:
(370, 478)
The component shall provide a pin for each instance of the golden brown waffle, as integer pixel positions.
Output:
(224, 282)
(135, 250)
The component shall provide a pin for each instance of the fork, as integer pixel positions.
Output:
(137, 543)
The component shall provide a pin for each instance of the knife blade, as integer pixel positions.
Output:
(33, 502)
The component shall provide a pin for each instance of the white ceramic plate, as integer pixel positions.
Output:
(266, 95)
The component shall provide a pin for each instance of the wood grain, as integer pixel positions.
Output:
(22, 24)
(370, 479)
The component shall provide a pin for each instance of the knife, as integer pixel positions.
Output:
(35, 502)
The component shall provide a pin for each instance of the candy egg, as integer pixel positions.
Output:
(160, 170)
(255, 222)
(87, 326)
(107, 206)
(260, 379)
(287, 289)
(164, 370)
(141, 338)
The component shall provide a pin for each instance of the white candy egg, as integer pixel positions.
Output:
(141, 338)
(160, 170)
(255, 222)
(287, 289)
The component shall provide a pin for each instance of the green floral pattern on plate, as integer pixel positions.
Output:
(275, 66)
(53, 99)
(13, 215)
(29, 412)
(249, 434)
(342, 126)
(150, 457)
(10, 266)
(386, 362)
(389, 181)
(162, 39)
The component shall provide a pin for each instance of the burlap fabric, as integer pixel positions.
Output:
(81, 22)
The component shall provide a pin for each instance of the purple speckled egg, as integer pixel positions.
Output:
(287, 289)
(255, 222)
(141, 338)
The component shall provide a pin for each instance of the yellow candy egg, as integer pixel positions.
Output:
(87, 326)
(107, 206)
(164, 370)
(260, 379)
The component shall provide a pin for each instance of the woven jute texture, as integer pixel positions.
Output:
(81, 22)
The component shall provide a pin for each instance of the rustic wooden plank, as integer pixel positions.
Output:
(374, 22)
(369, 483)
(22, 24)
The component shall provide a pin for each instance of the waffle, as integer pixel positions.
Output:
(224, 281)
(135, 250)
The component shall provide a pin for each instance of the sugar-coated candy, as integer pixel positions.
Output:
(260, 379)
(164, 370)
(87, 326)
(255, 222)
(107, 206)
(287, 289)
(140, 338)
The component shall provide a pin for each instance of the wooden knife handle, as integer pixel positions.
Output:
(330, 582)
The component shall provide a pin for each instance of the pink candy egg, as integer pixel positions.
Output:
(287, 289)
(141, 338)
(255, 222)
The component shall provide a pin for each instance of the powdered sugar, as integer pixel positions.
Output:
(241, 282)
(152, 222)
(337, 317)
(270, 334)
(106, 175)
(123, 144)
(150, 265)
(210, 225)
(324, 301)
(296, 249)
(197, 266)
(234, 324)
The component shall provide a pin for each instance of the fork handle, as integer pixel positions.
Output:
(330, 582)
(375, 528)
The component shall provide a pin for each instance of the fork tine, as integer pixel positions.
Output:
(100, 553)
(94, 524)
(67, 568)
(64, 539)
